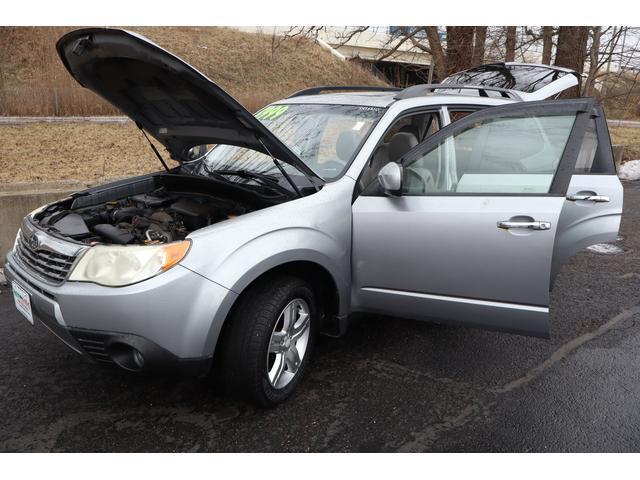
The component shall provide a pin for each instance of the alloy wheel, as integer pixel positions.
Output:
(288, 343)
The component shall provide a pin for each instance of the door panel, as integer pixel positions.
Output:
(589, 221)
(450, 246)
(593, 209)
(523, 319)
(478, 256)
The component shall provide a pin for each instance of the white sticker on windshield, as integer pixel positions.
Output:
(358, 125)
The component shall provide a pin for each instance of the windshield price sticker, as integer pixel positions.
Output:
(271, 112)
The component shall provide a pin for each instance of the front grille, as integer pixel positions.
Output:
(50, 265)
(93, 345)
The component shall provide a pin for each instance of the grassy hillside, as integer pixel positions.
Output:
(252, 67)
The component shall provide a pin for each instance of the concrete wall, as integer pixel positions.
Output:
(16, 200)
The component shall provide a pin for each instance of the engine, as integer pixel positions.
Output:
(156, 217)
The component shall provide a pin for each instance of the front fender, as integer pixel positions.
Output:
(315, 228)
(237, 270)
(251, 259)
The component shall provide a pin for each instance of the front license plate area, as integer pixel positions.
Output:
(22, 300)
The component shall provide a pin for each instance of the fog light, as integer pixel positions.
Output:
(126, 356)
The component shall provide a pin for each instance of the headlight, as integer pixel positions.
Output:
(116, 266)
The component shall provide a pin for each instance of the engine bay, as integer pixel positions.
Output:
(159, 216)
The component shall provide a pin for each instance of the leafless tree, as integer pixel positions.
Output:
(592, 50)
(510, 44)
(547, 44)
(479, 42)
(572, 51)
(463, 46)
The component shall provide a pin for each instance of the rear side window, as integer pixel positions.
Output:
(587, 149)
(596, 155)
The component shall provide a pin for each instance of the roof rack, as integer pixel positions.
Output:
(345, 88)
(420, 90)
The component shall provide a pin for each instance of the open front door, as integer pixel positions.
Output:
(529, 80)
(471, 238)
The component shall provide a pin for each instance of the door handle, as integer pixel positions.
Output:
(507, 224)
(589, 198)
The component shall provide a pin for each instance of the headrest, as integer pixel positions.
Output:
(346, 145)
(411, 128)
(400, 144)
(382, 151)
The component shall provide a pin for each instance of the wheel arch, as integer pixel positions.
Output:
(331, 300)
(319, 277)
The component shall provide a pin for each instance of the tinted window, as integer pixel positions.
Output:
(421, 125)
(603, 161)
(524, 78)
(587, 149)
(504, 155)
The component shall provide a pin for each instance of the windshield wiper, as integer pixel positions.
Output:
(262, 178)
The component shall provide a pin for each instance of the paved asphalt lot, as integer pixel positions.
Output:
(388, 385)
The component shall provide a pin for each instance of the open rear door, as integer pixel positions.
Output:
(592, 210)
(529, 81)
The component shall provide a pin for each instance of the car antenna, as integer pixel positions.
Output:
(153, 147)
(282, 171)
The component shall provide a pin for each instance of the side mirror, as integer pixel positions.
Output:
(390, 178)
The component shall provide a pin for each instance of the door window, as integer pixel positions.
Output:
(500, 155)
(456, 115)
(404, 134)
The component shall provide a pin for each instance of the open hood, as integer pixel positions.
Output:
(529, 81)
(170, 99)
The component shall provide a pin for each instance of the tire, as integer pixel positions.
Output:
(249, 364)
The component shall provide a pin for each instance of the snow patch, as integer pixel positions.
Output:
(629, 170)
(3, 280)
(605, 249)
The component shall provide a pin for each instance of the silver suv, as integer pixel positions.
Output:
(455, 202)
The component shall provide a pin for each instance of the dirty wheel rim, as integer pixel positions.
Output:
(288, 343)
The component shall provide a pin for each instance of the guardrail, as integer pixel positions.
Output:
(96, 119)
(122, 119)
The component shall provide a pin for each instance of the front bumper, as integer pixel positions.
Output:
(173, 319)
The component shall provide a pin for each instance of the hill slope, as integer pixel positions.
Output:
(254, 68)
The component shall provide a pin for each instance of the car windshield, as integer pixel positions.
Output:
(325, 137)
